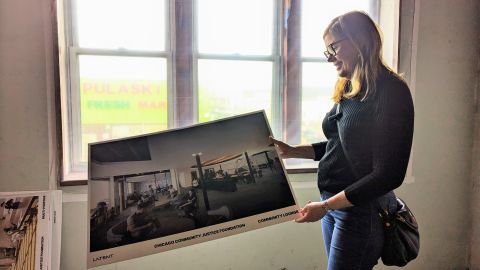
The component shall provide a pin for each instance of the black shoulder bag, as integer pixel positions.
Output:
(402, 240)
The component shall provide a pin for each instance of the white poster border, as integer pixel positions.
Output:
(191, 237)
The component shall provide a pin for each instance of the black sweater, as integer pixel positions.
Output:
(377, 136)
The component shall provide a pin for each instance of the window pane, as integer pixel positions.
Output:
(235, 27)
(318, 80)
(316, 15)
(121, 24)
(227, 88)
(120, 96)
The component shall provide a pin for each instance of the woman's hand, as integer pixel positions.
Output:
(313, 211)
(288, 151)
(285, 150)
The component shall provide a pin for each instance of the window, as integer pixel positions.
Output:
(235, 75)
(131, 67)
(318, 77)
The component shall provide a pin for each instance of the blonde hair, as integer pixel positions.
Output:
(364, 35)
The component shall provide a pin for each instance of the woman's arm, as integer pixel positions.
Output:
(392, 141)
(391, 151)
(314, 211)
(289, 151)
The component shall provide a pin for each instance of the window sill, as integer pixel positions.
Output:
(74, 179)
(80, 179)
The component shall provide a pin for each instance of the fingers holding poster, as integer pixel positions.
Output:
(171, 189)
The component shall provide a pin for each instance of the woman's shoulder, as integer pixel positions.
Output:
(392, 86)
(392, 94)
(395, 81)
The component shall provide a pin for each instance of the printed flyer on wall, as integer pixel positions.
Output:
(30, 234)
(167, 190)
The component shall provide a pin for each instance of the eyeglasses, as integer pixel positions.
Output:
(331, 50)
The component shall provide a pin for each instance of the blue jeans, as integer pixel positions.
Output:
(353, 236)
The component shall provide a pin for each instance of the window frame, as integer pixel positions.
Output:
(310, 166)
(74, 171)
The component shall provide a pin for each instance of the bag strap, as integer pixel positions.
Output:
(383, 213)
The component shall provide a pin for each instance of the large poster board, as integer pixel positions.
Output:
(30, 230)
(167, 190)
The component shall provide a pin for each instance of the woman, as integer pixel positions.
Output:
(369, 134)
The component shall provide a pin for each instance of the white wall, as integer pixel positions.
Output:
(446, 71)
(24, 141)
(444, 103)
(475, 201)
